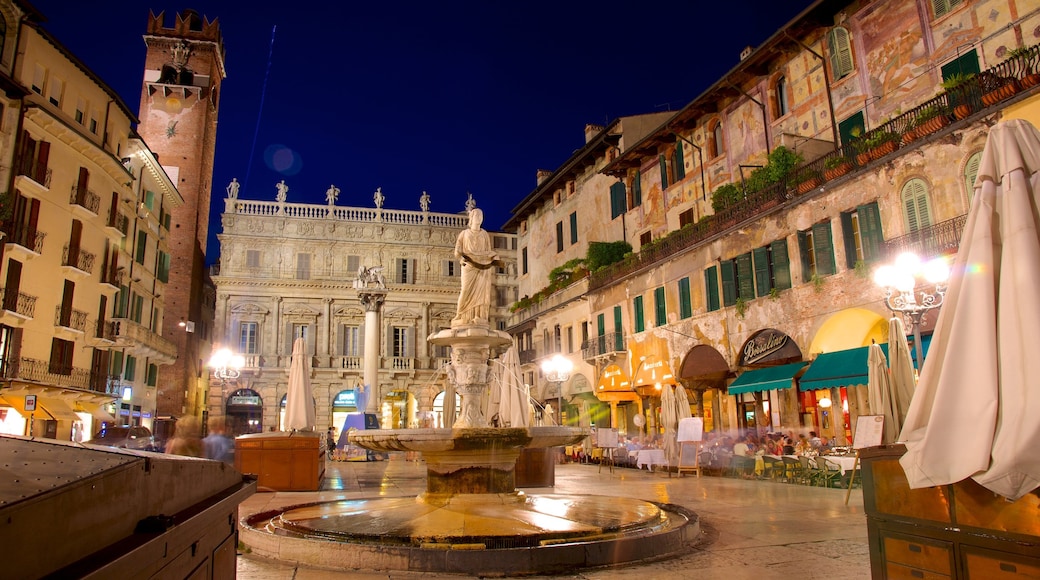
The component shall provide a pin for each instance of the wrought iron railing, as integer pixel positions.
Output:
(86, 199)
(81, 259)
(70, 318)
(26, 238)
(19, 302)
(610, 343)
(935, 240)
(41, 371)
(38, 172)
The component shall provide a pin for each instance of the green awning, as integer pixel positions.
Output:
(765, 379)
(847, 367)
(836, 369)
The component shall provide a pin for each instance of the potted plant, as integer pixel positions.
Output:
(725, 196)
(1025, 57)
(996, 88)
(957, 85)
(929, 119)
(875, 145)
(836, 166)
(805, 180)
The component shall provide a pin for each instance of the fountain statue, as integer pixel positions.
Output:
(471, 518)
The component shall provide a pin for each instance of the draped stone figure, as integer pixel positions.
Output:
(478, 258)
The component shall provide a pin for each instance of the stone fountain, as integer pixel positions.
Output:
(471, 518)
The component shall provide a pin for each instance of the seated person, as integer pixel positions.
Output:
(802, 447)
(788, 447)
(741, 448)
(815, 440)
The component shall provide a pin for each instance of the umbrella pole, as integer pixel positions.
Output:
(852, 476)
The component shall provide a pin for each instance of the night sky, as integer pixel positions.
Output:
(445, 97)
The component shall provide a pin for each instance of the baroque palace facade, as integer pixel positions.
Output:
(750, 280)
(85, 257)
(290, 270)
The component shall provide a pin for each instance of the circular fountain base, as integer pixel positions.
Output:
(481, 534)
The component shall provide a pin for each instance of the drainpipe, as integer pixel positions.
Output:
(826, 84)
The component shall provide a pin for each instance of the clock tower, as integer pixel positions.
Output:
(180, 99)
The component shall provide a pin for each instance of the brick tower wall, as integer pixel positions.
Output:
(179, 123)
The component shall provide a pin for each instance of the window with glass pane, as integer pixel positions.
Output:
(351, 346)
(247, 338)
(400, 342)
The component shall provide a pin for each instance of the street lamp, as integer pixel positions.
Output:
(899, 281)
(557, 370)
(226, 365)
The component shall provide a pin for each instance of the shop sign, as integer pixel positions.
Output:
(345, 399)
(244, 400)
(768, 345)
(30, 402)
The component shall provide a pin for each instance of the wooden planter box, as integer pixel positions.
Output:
(283, 461)
(950, 531)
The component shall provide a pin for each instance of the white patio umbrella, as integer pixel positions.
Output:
(299, 401)
(878, 387)
(669, 421)
(513, 410)
(902, 380)
(976, 411)
(682, 404)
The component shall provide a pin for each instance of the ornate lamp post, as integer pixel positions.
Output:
(226, 365)
(557, 370)
(900, 280)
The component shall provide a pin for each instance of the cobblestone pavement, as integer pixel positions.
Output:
(750, 529)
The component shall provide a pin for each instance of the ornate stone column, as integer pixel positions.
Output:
(372, 299)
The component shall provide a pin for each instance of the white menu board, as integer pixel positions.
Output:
(868, 431)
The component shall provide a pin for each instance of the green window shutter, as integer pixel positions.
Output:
(149, 200)
(601, 325)
(971, 171)
(781, 264)
(915, 205)
(574, 228)
(660, 310)
(745, 277)
(664, 171)
(617, 199)
(965, 64)
(637, 190)
(559, 237)
(619, 330)
(153, 371)
(870, 233)
(711, 288)
(849, 237)
(131, 368)
(851, 128)
(685, 304)
(840, 52)
(117, 364)
(763, 283)
(679, 163)
(729, 282)
(824, 249)
(142, 245)
(803, 252)
(637, 307)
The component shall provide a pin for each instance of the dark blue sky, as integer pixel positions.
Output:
(446, 97)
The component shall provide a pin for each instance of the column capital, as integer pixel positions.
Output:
(371, 299)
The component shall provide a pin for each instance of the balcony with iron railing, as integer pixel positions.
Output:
(45, 373)
(39, 173)
(143, 341)
(610, 344)
(977, 96)
(939, 239)
(118, 224)
(528, 356)
(28, 240)
(17, 307)
(78, 261)
(70, 319)
(86, 199)
(574, 291)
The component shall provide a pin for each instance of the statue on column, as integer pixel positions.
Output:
(473, 249)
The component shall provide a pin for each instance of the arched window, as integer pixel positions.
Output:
(971, 171)
(916, 207)
(717, 145)
(839, 48)
(780, 87)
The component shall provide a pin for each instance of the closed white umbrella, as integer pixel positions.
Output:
(902, 379)
(513, 410)
(976, 411)
(299, 401)
(682, 404)
(878, 390)
(669, 421)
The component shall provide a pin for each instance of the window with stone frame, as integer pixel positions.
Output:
(816, 249)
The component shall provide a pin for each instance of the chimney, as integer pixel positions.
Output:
(591, 131)
(541, 175)
(746, 52)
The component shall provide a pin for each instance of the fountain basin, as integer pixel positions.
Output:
(470, 460)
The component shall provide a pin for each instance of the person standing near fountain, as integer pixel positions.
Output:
(478, 258)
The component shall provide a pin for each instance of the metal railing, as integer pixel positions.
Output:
(20, 303)
(38, 172)
(26, 238)
(935, 240)
(610, 343)
(71, 318)
(40, 371)
(86, 199)
(81, 260)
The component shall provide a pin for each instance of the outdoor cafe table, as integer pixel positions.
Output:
(845, 462)
(650, 458)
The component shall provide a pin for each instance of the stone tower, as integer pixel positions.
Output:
(180, 99)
